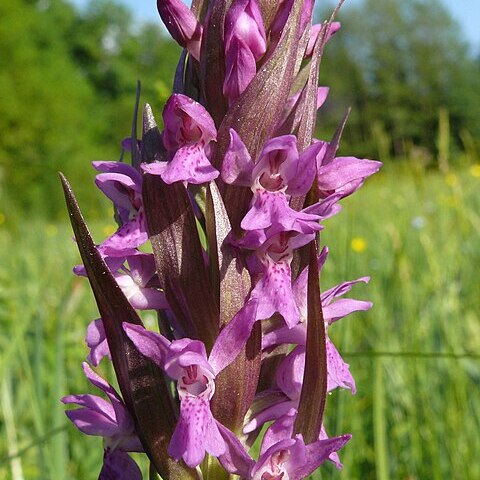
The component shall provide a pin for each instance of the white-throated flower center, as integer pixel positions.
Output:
(273, 182)
(279, 250)
(195, 382)
(189, 131)
(270, 178)
(276, 470)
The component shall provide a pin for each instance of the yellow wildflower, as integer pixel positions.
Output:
(358, 244)
(475, 170)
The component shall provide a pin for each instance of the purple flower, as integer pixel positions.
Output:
(189, 129)
(279, 174)
(96, 341)
(334, 27)
(333, 310)
(135, 275)
(122, 184)
(182, 25)
(283, 455)
(342, 175)
(186, 362)
(273, 291)
(245, 44)
(110, 420)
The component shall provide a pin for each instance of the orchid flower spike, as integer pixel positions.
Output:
(218, 237)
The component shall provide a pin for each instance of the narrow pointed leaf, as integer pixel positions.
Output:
(152, 145)
(232, 282)
(212, 67)
(269, 9)
(314, 390)
(334, 143)
(235, 386)
(179, 258)
(140, 380)
(199, 9)
(135, 154)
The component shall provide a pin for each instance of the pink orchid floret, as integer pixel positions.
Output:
(280, 174)
(189, 129)
(186, 362)
(334, 308)
(110, 420)
(245, 44)
(182, 25)
(135, 274)
(122, 184)
(285, 455)
(273, 290)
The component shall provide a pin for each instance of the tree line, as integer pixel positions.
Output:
(68, 80)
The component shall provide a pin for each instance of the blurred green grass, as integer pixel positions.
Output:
(415, 232)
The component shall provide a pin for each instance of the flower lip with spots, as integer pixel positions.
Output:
(185, 361)
(189, 129)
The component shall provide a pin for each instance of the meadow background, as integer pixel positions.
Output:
(67, 83)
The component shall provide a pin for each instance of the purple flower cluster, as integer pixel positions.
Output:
(218, 233)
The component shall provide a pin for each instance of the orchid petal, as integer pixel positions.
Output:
(237, 165)
(268, 414)
(151, 344)
(233, 337)
(189, 164)
(343, 170)
(300, 177)
(240, 69)
(274, 294)
(181, 24)
(318, 452)
(235, 460)
(97, 342)
(341, 289)
(281, 429)
(92, 422)
(344, 307)
(196, 433)
(118, 465)
(338, 371)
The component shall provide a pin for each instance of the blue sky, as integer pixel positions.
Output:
(466, 12)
